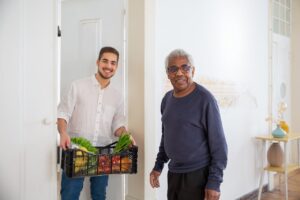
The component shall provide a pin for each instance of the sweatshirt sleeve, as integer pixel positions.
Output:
(161, 157)
(217, 146)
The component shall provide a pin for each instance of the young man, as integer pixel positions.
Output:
(192, 136)
(92, 109)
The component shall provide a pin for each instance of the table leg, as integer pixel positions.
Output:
(298, 152)
(286, 170)
(261, 181)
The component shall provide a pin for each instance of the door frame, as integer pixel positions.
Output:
(124, 56)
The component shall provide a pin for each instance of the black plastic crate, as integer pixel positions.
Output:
(78, 163)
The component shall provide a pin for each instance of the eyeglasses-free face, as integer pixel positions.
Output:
(183, 68)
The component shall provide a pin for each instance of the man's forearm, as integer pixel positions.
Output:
(62, 126)
(64, 137)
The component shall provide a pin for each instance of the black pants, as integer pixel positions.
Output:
(187, 186)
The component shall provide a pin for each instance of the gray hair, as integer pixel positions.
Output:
(178, 53)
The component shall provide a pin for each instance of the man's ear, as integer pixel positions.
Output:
(193, 71)
(168, 76)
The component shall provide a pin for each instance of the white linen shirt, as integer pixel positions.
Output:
(92, 112)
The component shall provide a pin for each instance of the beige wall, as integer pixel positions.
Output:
(136, 92)
(295, 58)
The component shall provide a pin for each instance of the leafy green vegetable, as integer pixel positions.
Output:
(123, 143)
(80, 141)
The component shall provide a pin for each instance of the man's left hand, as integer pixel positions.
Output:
(132, 140)
(123, 130)
(211, 195)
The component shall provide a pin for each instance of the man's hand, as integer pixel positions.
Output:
(122, 130)
(132, 140)
(154, 179)
(211, 195)
(65, 141)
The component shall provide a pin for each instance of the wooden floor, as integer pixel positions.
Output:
(279, 192)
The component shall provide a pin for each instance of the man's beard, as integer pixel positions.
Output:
(102, 76)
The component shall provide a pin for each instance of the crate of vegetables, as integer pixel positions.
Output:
(85, 160)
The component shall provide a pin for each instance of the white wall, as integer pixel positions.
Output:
(9, 55)
(295, 58)
(229, 43)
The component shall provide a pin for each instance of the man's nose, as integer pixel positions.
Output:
(109, 65)
(179, 72)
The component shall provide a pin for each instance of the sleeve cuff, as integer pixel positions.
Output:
(213, 185)
(117, 126)
(158, 167)
(64, 116)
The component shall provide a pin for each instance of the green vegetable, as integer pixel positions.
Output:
(123, 143)
(82, 142)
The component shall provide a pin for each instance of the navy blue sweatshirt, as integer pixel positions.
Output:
(192, 135)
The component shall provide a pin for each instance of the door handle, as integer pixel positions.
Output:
(46, 121)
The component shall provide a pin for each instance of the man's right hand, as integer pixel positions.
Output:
(154, 178)
(65, 141)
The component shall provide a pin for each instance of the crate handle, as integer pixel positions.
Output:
(109, 145)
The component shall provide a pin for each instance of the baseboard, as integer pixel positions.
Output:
(254, 194)
(128, 197)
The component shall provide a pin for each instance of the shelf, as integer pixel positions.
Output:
(289, 137)
(290, 168)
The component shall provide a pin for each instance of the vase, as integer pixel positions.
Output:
(278, 132)
(275, 155)
(284, 126)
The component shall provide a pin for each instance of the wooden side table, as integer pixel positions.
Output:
(287, 167)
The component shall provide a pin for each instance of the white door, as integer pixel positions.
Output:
(88, 25)
(27, 103)
(281, 74)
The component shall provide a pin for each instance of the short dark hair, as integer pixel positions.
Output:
(108, 50)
